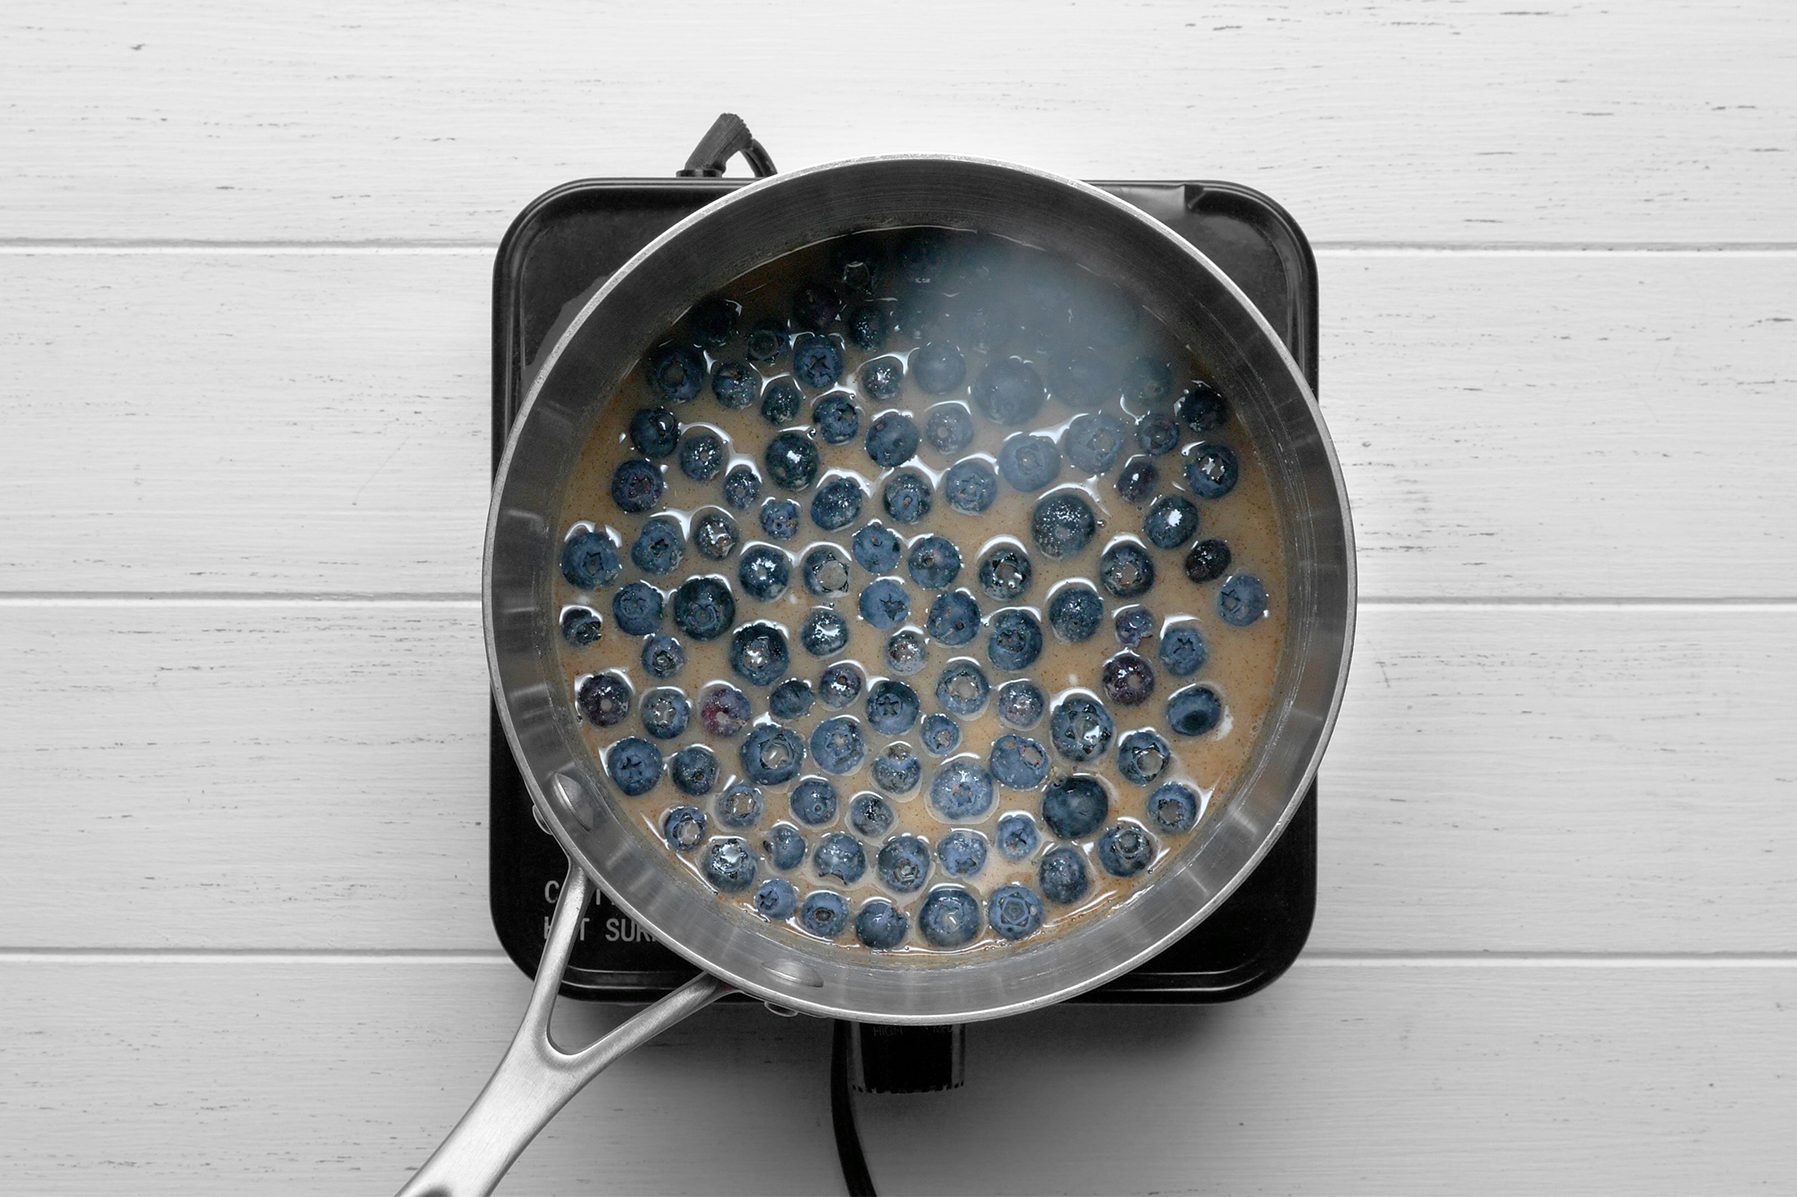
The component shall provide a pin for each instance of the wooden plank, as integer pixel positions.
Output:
(1504, 779)
(1513, 425)
(1393, 121)
(331, 1076)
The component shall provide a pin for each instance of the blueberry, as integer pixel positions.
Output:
(784, 846)
(961, 791)
(703, 608)
(1075, 807)
(837, 746)
(1211, 470)
(791, 699)
(824, 914)
(880, 925)
(772, 754)
(1134, 625)
(1142, 756)
(1242, 600)
(892, 707)
(938, 369)
(764, 572)
(816, 361)
(724, 710)
(1017, 836)
(815, 306)
(1125, 850)
(1194, 710)
(758, 653)
(963, 688)
(1128, 680)
(1014, 911)
(1173, 808)
(634, 765)
(1172, 520)
(742, 486)
(1183, 651)
(676, 373)
(1126, 569)
(814, 802)
(882, 378)
(917, 313)
(1082, 380)
(663, 656)
(780, 518)
(954, 618)
(781, 402)
(1208, 561)
(905, 653)
(949, 917)
(666, 712)
(713, 321)
(1029, 461)
(767, 342)
(1063, 524)
(729, 864)
(1018, 761)
(948, 427)
(1147, 380)
(1074, 612)
(857, 264)
(654, 432)
(590, 560)
(906, 496)
(683, 828)
(1020, 703)
(1080, 727)
(970, 486)
(636, 486)
(871, 815)
(660, 546)
(962, 853)
(897, 769)
(876, 549)
(776, 899)
(884, 604)
(923, 255)
(839, 685)
(582, 627)
(933, 561)
(1005, 572)
(1093, 442)
(1015, 639)
(1157, 434)
(1202, 407)
(715, 534)
(1062, 875)
(903, 863)
(740, 805)
(824, 632)
(825, 571)
(837, 503)
(940, 734)
(1137, 479)
(841, 856)
(736, 386)
(701, 454)
(837, 418)
(867, 324)
(1009, 392)
(603, 699)
(791, 460)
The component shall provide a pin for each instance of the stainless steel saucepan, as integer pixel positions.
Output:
(599, 346)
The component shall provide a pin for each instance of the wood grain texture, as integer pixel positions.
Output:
(1395, 121)
(312, 776)
(1511, 425)
(339, 1076)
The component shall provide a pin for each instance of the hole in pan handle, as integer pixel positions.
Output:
(536, 1078)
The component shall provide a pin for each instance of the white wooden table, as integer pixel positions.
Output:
(244, 944)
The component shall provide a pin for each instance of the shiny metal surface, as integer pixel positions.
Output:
(702, 253)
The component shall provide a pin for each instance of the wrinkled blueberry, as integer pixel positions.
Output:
(1128, 680)
(714, 534)
(839, 685)
(963, 688)
(758, 653)
(824, 632)
(841, 856)
(1142, 756)
(660, 547)
(1147, 380)
(713, 321)
(948, 427)
(736, 386)
(1211, 470)
(1014, 911)
(683, 828)
(637, 609)
(582, 627)
(1242, 600)
(837, 503)
(740, 805)
(825, 571)
(1005, 572)
(634, 765)
(1016, 836)
(1125, 850)
(1137, 479)
(814, 802)
(1183, 651)
(784, 846)
(603, 699)
(1207, 561)
(1015, 639)
(815, 306)
(781, 402)
(590, 560)
(1093, 442)
(701, 454)
(636, 486)
(1172, 520)
(1020, 703)
(880, 925)
(764, 572)
(816, 361)
(871, 815)
(663, 657)
(767, 341)
(1063, 524)
(933, 561)
(676, 373)
(703, 608)
(776, 899)
(729, 864)
(1018, 761)
(837, 418)
(1062, 875)
(780, 518)
(954, 618)
(1134, 625)
(654, 432)
(1029, 462)
(970, 486)
(1080, 727)
(1126, 569)
(790, 699)
(1173, 808)
(940, 734)
(884, 604)
(938, 368)
(1009, 392)
(882, 378)
(1082, 380)
(867, 327)
(905, 654)
(1075, 807)
(892, 707)
(724, 710)
(742, 486)
(837, 746)
(949, 917)
(903, 863)
(897, 769)
(665, 712)
(961, 791)
(772, 754)
(791, 460)
(1156, 434)
(1074, 612)
(1202, 407)
(824, 914)
(962, 853)
(1194, 710)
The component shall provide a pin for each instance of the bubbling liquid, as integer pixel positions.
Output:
(919, 594)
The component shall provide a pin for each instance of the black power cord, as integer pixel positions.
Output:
(842, 1116)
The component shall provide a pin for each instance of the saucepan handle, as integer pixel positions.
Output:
(535, 1078)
